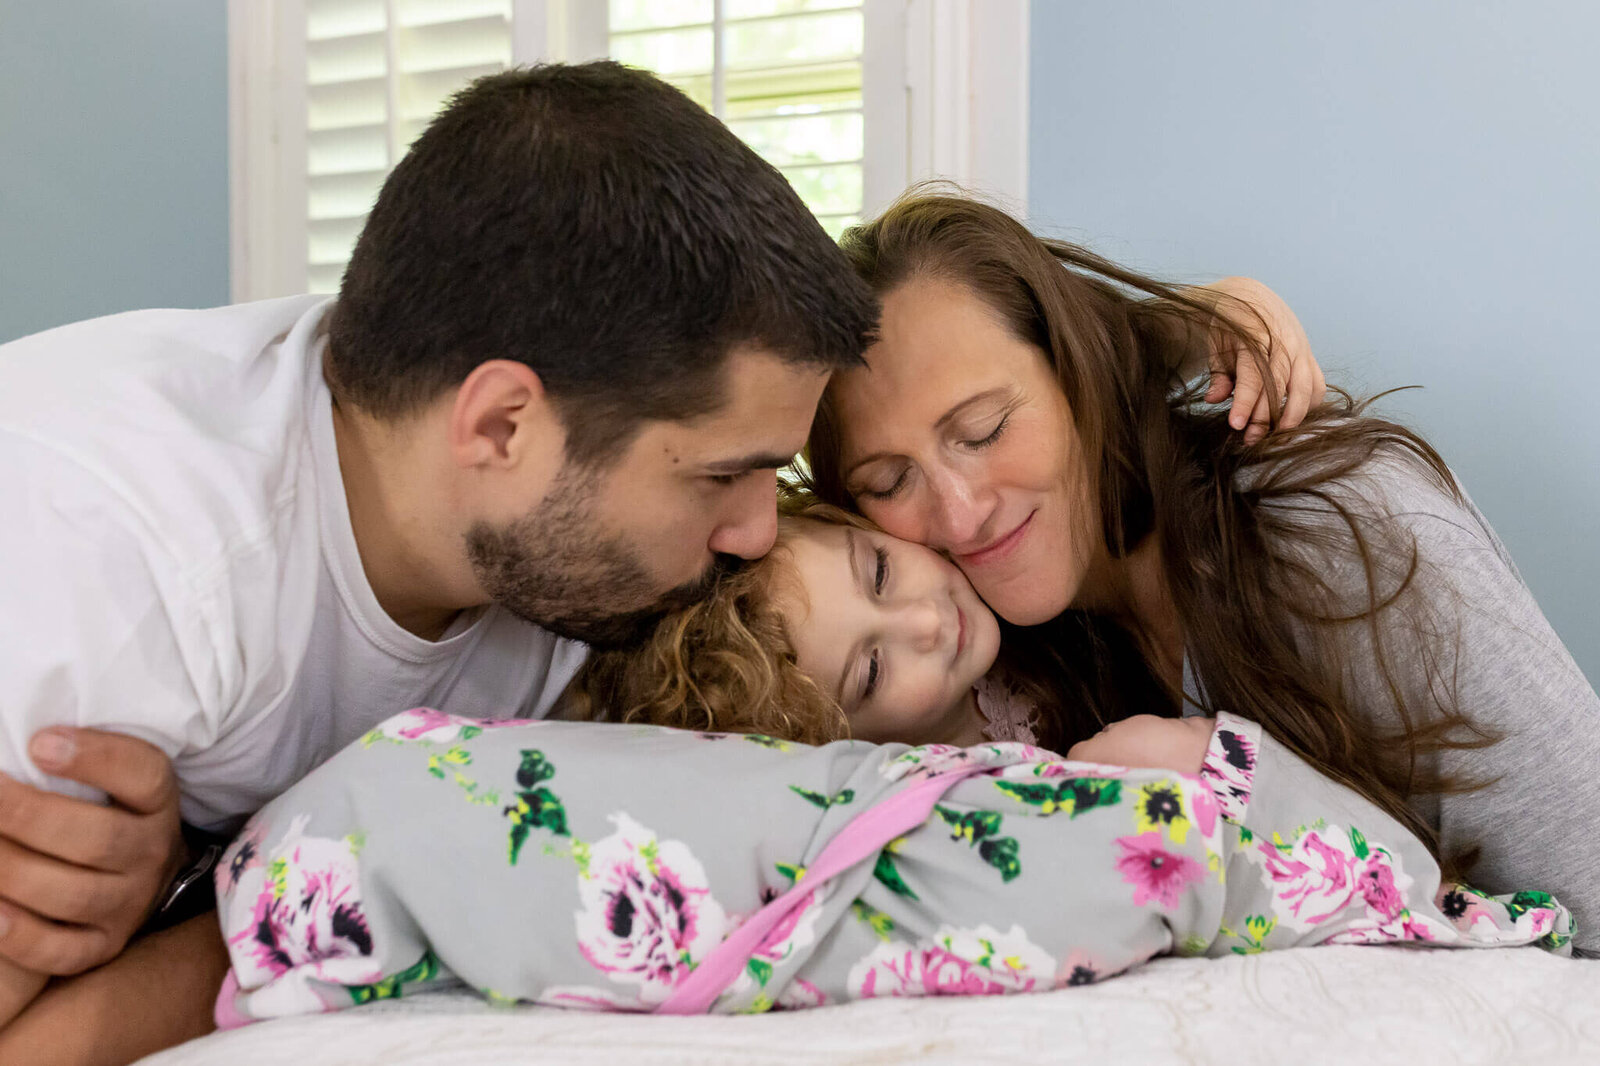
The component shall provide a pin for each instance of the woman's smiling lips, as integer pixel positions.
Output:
(1000, 548)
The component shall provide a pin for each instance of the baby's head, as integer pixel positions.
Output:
(840, 631)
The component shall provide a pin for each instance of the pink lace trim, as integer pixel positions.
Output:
(1010, 717)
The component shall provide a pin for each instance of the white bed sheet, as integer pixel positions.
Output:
(1357, 1005)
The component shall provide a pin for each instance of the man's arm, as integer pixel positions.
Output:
(160, 992)
(1297, 381)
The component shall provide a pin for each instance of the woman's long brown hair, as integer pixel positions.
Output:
(1245, 532)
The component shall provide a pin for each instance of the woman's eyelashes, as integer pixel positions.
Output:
(880, 576)
(992, 436)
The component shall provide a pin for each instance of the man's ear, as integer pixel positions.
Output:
(502, 417)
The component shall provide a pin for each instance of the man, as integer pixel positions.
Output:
(582, 327)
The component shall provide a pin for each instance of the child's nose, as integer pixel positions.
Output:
(922, 624)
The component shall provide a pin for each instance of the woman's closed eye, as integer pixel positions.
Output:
(880, 575)
(990, 438)
(873, 492)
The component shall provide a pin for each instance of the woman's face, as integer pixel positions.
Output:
(888, 628)
(955, 435)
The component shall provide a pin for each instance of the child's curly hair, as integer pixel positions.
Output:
(726, 664)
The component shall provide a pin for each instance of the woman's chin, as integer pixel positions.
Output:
(1022, 606)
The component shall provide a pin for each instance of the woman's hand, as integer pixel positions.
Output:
(1297, 381)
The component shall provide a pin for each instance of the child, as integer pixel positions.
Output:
(647, 869)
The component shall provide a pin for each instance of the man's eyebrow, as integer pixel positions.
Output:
(760, 461)
(938, 426)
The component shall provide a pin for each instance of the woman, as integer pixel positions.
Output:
(1023, 412)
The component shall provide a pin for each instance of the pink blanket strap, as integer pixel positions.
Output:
(863, 838)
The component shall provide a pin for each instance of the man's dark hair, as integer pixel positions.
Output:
(596, 224)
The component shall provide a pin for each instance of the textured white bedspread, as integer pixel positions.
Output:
(1358, 1005)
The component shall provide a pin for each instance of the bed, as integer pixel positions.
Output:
(1353, 1005)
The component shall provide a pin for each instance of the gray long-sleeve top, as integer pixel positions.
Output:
(1494, 657)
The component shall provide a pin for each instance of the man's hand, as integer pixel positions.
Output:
(1297, 380)
(77, 879)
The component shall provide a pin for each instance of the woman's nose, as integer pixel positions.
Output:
(958, 510)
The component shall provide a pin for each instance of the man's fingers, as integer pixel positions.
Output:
(1260, 420)
(72, 830)
(54, 889)
(1302, 395)
(136, 775)
(1246, 391)
(48, 947)
(1221, 386)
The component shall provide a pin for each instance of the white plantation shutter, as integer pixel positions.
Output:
(850, 99)
(376, 73)
(785, 75)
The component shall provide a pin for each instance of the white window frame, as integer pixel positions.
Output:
(952, 74)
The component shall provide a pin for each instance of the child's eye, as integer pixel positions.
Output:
(874, 669)
(722, 479)
(882, 574)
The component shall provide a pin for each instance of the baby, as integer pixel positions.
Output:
(642, 868)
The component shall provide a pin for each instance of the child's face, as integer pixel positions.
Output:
(890, 629)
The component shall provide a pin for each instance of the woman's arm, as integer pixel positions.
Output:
(1297, 381)
(160, 992)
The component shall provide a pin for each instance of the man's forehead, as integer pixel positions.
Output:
(768, 404)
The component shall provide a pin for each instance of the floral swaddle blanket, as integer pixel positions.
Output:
(600, 866)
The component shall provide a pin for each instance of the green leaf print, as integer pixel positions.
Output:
(424, 969)
(886, 872)
(971, 826)
(535, 807)
(1001, 853)
(1523, 902)
(1075, 795)
(879, 922)
(839, 798)
(1358, 842)
(761, 970)
(534, 769)
(792, 872)
(978, 828)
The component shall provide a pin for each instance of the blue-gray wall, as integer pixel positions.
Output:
(113, 158)
(1421, 182)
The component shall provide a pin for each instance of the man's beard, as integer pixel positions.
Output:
(554, 567)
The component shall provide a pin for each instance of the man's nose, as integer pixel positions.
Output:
(750, 524)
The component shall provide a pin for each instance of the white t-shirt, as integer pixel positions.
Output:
(177, 561)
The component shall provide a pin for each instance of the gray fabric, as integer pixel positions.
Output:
(597, 866)
(1538, 823)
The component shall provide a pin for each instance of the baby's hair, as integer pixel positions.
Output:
(728, 663)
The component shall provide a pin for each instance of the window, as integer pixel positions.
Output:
(850, 100)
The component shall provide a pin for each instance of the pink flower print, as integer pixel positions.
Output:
(648, 915)
(1154, 872)
(1203, 806)
(1313, 880)
(1385, 901)
(954, 962)
(1230, 768)
(302, 912)
(436, 727)
(801, 995)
